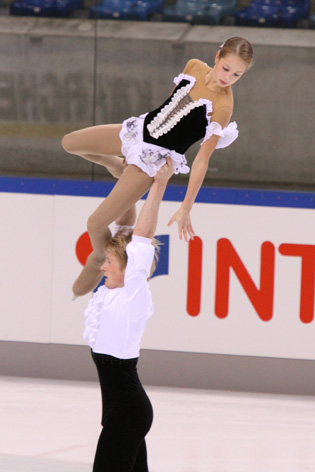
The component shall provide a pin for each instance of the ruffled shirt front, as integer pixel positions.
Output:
(116, 318)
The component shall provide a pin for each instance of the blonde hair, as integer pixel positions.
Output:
(117, 246)
(239, 46)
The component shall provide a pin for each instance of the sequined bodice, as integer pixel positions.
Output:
(180, 105)
(180, 121)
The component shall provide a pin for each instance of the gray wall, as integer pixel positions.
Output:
(59, 75)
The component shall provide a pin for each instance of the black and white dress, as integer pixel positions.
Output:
(171, 129)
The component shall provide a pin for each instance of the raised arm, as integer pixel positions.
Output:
(147, 219)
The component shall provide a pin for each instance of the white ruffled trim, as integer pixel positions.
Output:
(208, 105)
(167, 118)
(148, 157)
(93, 315)
(227, 135)
(180, 77)
(151, 158)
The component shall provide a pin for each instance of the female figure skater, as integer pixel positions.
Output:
(115, 321)
(200, 107)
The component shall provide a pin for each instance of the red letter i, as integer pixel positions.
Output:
(194, 276)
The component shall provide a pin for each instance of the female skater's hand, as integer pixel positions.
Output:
(185, 229)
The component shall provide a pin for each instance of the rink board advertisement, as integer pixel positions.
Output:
(243, 286)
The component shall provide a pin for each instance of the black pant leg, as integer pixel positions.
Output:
(141, 464)
(120, 455)
(127, 417)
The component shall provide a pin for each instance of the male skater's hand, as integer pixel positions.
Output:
(165, 172)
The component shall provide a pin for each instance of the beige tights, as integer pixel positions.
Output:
(101, 144)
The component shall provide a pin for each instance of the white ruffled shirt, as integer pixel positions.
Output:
(116, 318)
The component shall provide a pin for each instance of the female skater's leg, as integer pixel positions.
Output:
(131, 186)
(128, 218)
(114, 164)
(100, 140)
(102, 145)
(98, 144)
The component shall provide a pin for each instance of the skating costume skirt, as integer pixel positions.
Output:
(148, 157)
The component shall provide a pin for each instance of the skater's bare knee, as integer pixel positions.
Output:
(96, 227)
(67, 142)
(93, 225)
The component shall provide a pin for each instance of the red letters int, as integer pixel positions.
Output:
(261, 298)
(194, 276)
(307, 254)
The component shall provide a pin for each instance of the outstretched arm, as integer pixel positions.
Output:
(198, 171)
(196, 178)
(147, 219)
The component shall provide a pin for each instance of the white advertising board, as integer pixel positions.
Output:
(244, 286)
(26, 262)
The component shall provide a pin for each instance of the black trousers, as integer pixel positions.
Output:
(126, 419)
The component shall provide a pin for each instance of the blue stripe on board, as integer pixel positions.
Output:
(232, 196)
(55, 186)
